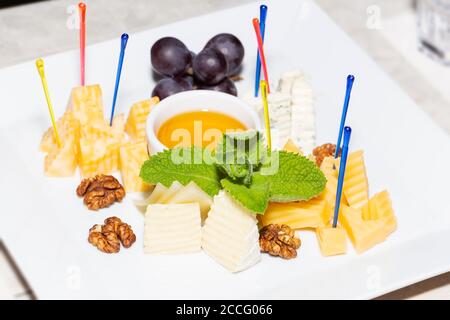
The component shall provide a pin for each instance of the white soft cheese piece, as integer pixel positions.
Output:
(287, 80)
(192, 193)
(174, 188)
(230, 234)
(172, 228)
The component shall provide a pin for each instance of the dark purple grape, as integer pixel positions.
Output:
(169, 56)
(190, 80)
(169, 86)
(210, 66)
(226, 86)
(231, 47)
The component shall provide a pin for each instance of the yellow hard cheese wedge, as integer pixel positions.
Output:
(356, 186)
(137, 118)
(290, 146)
(328, 167)
(132, 156)
(364, 234)
(297, 215)
(332, 241)
(86, 103)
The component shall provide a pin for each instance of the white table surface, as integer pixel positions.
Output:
(30, 30)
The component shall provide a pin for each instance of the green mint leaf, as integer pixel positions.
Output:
(183, 165)
(239, 154)
(254, 197)
(294, 178)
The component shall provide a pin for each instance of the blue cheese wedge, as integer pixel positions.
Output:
(230, 234)
(303, 128)
(291, 110)
(172, 228)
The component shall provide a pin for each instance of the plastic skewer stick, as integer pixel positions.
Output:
(82, 11)
(123, 45)
(40, 68)
(262, 26)
(348, 91)
(342, 165)
(264, 88)
(261, 51)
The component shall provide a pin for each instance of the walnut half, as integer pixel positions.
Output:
(279, 241)
(100, 191)
(323, 151)
(107, 238)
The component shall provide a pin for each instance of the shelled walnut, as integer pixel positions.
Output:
(100, 191)
(279, 241)
(107, 238)
(325, 150)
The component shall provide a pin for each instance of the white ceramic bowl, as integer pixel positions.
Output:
(196, 100)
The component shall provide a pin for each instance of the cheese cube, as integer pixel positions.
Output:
(297, 215)
(332, 241)
(172, 228)
(230, 234)
(132, 157)
(193, 193)
(62, 162)
(137, 118)
(98, 156)
(86, 104)
(328, 167)
(99, 146)
(67, 126)
(364, 234)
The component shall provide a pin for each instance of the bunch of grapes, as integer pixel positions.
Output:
(184, 70)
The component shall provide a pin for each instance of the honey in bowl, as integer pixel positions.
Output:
(201, 128)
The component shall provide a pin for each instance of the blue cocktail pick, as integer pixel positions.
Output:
(123, 45)
(262, 26)
(348, 90)
(342, 165)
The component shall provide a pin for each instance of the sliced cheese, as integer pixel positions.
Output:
(297, 215)
(172, 228)
(157, 194)
(192, 193)
(170, 193)
(230, 234)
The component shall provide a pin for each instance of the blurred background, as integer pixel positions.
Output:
(410, 41)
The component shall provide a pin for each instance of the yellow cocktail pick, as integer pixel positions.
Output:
(266, 112)
(40, 67)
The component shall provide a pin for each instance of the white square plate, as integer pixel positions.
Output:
(45, 225)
